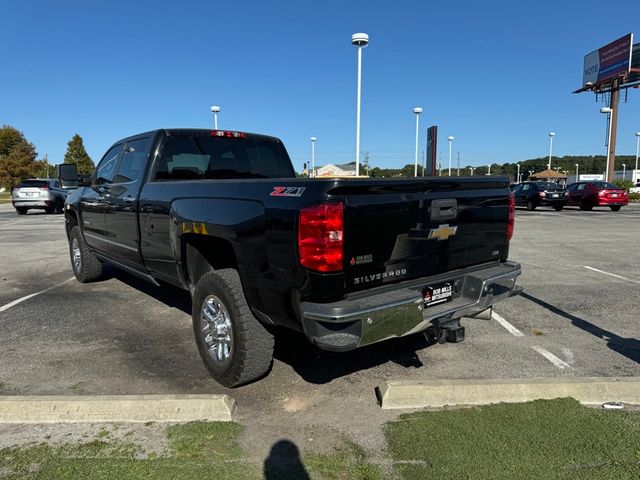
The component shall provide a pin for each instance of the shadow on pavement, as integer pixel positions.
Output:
(629, 347)
(321, 366)
(284, 463)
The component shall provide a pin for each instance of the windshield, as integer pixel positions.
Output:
(606, 185)
(193, 157)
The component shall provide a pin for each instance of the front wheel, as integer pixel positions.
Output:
(531, 205)
(21, 210)
(85, 264)
(234, 346)
(58, 207)
(585, 205)
(615, 208)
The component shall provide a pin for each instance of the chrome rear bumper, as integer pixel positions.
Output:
(380, 314)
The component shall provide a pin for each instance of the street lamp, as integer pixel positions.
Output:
(577, 169)
(360, 40)
(624, 171)
(489, 171)
(313, 156)
(215, 109)
(608, 111)
(471, 171)
(417, 111)
(450, 140)
(637, 152)
(518, 174)
(551, 135)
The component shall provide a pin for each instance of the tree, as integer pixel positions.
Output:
(78, 155)
(17, 157)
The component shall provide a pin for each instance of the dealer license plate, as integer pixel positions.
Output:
(437, 294)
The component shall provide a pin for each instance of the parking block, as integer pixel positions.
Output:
(440, 393)
(116, 408)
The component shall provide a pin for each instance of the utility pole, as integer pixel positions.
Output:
(458, 172)
(46, 162)
(366, 162)
(613, 105)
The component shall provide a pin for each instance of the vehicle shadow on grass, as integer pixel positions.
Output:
(629, 347)
(321, 366)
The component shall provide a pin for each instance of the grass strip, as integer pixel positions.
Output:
(544, 439)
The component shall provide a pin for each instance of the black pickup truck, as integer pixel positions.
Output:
(349, 262)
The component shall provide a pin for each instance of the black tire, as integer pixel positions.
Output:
(21, 210)
(530, 205)
(615, 208)
(585, 205)
(58, 207)
(89, 268)
(250, 345)
(49, 210)
(558, 208)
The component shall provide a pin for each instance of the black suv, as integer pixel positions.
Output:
(534, 194)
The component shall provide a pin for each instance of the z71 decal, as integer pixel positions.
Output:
(287, 192)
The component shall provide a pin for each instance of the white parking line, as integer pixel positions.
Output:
(611, 274)
(20, 300)
(512, 330)
(561, 364)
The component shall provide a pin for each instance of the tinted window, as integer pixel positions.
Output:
(526, 186)
(133, 161)
(107, 167)
(200, 157)
(34, 184)
(582, 186)
(603, 185)
(571, 187)
(547, 185)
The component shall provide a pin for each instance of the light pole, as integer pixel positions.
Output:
(489, 170)
(313, 156)
(637, 152)
(215, 109)
(551, 135)
(450, 140)
(608, 111)
(417, 111)
(471, 171)
(624, 171)
(577, 170)
(518, 174)
(360, 40)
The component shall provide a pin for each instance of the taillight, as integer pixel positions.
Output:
(320, 237)
(542, 194)
(602, 193)
(512, 216)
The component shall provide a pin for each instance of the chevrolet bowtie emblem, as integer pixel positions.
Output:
(443, 232)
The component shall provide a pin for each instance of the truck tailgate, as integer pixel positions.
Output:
(404, 230)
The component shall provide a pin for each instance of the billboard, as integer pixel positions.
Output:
(608, 62)
(432, 147)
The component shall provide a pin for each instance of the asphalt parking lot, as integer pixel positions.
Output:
(577, 317)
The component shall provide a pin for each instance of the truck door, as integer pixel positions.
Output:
(93, 203)
(122, 203)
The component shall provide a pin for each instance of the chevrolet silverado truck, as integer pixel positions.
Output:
(348, 262)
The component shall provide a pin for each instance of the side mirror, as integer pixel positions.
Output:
(67, 175)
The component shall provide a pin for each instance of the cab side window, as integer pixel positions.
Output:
(582, 186)
(107, 167)
(134, 160)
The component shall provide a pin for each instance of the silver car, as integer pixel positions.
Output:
(39, 193)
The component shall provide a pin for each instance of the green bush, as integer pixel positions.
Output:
(626, 184)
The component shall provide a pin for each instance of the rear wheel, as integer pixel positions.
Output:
(21, 210)
(59, 206)
(585, 205)
(85, 264)
(234, 346)
(531, 205)
(615, 208)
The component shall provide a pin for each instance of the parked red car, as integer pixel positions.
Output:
(587, 195)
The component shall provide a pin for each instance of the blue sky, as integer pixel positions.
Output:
(496, 75)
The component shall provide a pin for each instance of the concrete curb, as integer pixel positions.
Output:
(116, 408)
(440, 393)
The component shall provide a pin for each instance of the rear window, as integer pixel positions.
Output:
(548, 185)
(34, 184)
(604, 185)
(200, 157)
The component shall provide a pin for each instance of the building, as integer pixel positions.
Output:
(332, 170)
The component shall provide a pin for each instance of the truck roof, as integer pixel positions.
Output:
(195, 131)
